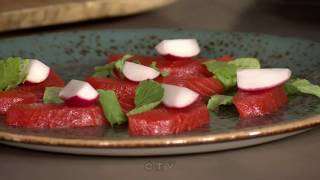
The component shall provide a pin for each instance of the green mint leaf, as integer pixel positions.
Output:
(224, 72)
(108, 69)
(302, 86)
(289, 88)
(16, 71)
(51, 95)
(111, 107)
(163, 73)
(23, 70)
(3, 83)
(148, 91)
(143, 108)
(120, 63)
(246, 63)
(104, 71)
(136, 61)
(13, 75)
(153, 65)
(149, 95)
(217, 100)
(13, 72)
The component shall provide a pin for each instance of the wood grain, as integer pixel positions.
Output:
(34, 13)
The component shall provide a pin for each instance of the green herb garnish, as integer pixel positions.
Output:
(143, 108)
(148, 95)
(224, 72)
(120, 63)
(108, 69)
(111, 107)
(302, 86)
(218, 100)
(13, 71)
(104, 71)
(51, 95)
(246, 63)
(163, 73)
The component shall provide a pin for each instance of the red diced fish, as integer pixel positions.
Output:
(124, 89)
(260, 103)
(27, 93)
(165, 121)
(15, 96)
(225, 58)
(54, 116)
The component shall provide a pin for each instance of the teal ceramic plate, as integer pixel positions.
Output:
(74, 54)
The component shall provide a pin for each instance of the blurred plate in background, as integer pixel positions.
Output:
(35, 13)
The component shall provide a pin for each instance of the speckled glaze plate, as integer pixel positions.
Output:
(74, 54)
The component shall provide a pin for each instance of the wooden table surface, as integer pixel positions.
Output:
(293, 158)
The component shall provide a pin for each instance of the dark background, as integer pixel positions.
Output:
(283, 17)
(293, 158)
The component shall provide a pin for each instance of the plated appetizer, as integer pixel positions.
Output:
(170, 93)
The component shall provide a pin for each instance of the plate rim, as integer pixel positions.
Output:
(156, 151)
(158, 141)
